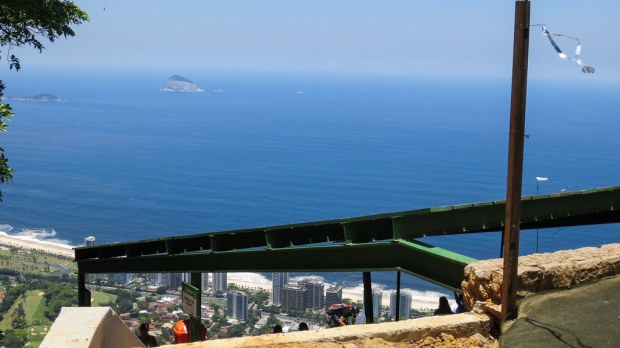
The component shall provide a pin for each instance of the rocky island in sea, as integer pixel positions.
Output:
(38, 98)
(176, 83)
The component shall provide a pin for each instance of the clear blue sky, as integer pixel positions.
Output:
(405, 37)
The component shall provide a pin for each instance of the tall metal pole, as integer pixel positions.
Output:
(195, 322)
(537, 194)
(397, 316)
(515, 156)
(83, 292)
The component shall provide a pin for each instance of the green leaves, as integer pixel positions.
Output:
(22, 23)
(6, 173)
(14, 63)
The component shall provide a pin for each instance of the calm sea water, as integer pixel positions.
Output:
(122, 161)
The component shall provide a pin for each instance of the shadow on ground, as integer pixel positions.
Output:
(585, 316)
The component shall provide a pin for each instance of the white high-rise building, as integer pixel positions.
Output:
(161, 279)
(205, 281)
(175, 280)
(220, 282)
(405, 305)
(278, 280)
(187, 277)
(237, 305)
(377, 297)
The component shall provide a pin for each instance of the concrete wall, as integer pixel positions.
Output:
(89, 327)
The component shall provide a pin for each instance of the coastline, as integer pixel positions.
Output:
(242, 279)
(30, 243)
(252, 281)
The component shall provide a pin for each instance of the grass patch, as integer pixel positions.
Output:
(34, 307)
(30, 261)
(34, 298)
(215, 301)
(35, 340)
(99, 298)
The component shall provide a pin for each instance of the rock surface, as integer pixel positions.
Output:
(176, 83)
(536, 273)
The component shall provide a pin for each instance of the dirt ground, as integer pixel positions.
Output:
(444, 341)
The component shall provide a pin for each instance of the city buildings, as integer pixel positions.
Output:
(175, 280)
(160, 279)
(204, 281)
(278, 280)
(377, 297)
(313, 293)
(219, 282)
(405, 305)
(292, 297)
(237, 305)
(333, 294)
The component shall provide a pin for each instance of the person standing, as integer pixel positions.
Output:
(145, 338)
(444, 307)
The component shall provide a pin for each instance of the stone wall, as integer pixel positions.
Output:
(536, 273)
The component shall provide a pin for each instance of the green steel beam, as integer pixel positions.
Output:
(567, 209)
(377, 242)
(440, 266)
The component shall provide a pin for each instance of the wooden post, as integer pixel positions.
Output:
(368, 298)
(515, 156)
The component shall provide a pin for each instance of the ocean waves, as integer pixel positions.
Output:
(41, 235)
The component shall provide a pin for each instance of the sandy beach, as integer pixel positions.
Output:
(28, 243)
(255, 282)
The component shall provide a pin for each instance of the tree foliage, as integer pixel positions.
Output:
(11, 295)
(236, 330)
(272, 320)
(12, 338)
(58, 295)
(19, 317)
(27, 23)
(261, 298)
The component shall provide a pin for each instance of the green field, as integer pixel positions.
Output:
(101, 298)
(38, 324)
(35, 262)
(34, 308)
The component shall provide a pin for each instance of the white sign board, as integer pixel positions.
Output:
(190, 300)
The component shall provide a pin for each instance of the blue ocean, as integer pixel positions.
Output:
(121, 160)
